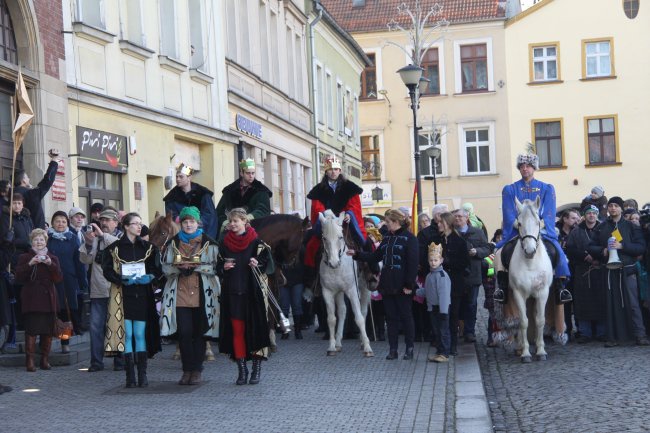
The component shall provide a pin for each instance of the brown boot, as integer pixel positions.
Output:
(185, 379)
(30, 348)
(195, 378)
(46, 345)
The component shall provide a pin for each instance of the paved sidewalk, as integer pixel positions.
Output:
(302, 390)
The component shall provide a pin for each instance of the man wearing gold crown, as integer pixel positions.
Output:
(339, 194)
(530, 188)
(246, 192)
(187, 193)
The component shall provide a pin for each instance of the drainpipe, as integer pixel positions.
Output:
(319, 9)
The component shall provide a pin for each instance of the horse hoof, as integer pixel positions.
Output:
(176, 356)
(332, 353)
(273, 349)
(339, 349)
(209, 357)
(541, 357)
(368, 354)
(526, 359)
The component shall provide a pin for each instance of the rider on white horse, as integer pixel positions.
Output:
(530, 188)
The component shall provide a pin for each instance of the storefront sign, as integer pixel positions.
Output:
(366, 196)
(58, 187)
(248, 126)
(101, 150)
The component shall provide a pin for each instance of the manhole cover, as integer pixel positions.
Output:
(156, 388)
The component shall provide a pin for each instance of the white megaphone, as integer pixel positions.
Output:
(614, 262)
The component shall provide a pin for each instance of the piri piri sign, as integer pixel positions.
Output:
(101, 150)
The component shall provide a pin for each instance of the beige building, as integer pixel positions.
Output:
(579, 90)
(147, 90)
(464, 111)
(268, 100)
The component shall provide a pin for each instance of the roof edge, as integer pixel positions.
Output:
(524, 14)
(345, 35)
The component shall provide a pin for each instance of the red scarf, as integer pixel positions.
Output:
(238, 243)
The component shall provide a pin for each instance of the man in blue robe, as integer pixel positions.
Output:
(530, 188)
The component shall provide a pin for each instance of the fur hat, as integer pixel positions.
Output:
(528, 158)
(184, 169)
(332, 162)
(598, 190)
(435, 251)
(616, 200)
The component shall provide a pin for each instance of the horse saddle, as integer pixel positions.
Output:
(509, 247)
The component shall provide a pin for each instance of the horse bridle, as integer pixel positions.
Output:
(326, 255)
(535, 238)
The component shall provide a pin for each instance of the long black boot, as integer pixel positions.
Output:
(243, 371)
(129, 367)
(297, 324)
(255, 374)
(562, 295)
(501, 291)
(141, 357)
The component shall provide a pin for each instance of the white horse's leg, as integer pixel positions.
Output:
(177, 355)
(523, 325)
(342, 310)
(273, 347)
(360, 320)
(209, 355)
(328, 297)
(540, 319)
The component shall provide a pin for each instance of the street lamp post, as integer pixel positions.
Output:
(434, 152)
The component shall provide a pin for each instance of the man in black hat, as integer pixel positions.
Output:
(626, 239)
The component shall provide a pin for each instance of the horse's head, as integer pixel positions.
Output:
(333, 242)
(162, 229)
(529, 225)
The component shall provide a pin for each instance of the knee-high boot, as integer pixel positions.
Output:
(243, 371)
(129, 368)
(46, 346)
(30, 348)
(255, 374)
(141, 358)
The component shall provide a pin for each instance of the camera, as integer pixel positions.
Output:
(42, 258)
(86, 229)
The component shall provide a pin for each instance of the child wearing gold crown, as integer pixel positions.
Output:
(437, 291)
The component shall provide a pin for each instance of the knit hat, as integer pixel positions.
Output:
(76, 211)
(590, 208)
(109, 214)
(96, 207)
(247, 164)
(528, 158)
(598, 190)
(190, 212)
(616, 200)
(60, 213)
(405, 210)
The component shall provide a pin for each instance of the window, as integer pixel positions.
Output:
(329, 100)
(243, 33)
(90, 12)
(275, 78)
(300, 69)
(598, 59)
(231, 28)
(291, 67)
(168, 23)
(631, 8)
(474, 68)
(370, 158)
(340, 109)
(264, 41)
(548, 143)
(477, 148)
(8, 40)
(426, 139)
(431, 71)
(198, 56)
(369, 80)
(320, 94)
(601, 140)
(545, 63)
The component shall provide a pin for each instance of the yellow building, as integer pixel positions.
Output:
(579, 90)
(464, 111)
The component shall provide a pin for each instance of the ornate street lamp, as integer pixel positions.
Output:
(434, 152)
(377, 193)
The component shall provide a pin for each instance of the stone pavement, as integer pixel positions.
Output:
(302, 390)
(581, 388)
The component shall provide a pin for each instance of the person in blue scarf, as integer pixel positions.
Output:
(530, 188)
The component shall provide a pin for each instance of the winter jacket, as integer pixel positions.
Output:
(92, 255)
(437, 290)
(74, 274)
(198, 196)
(33, 197)
(256, 200)
(38, 294)
(425, 238)
(456, 262)
(475, 238)
(633, 242)
(600, 203)
(578, 242)
(22, 225)
(399, 253)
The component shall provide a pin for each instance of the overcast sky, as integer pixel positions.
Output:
(526, 3)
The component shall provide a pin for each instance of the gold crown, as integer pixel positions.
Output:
(332, 162)
(435, 251)
(247, 164)
(184, 169)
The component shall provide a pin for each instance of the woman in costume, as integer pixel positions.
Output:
(131, 264)
(190, 306)
(244, 330)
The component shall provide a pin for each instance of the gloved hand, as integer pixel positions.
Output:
(144, 279)
(9, 236)
(129, 280)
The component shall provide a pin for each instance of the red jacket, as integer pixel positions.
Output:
(346, 198)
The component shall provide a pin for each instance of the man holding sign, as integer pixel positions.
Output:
(623, 296)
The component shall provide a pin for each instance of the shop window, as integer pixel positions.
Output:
(100, 187)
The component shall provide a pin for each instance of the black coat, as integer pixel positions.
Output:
(22, 225)
(425, 237)
(456, 262)
(475, 238)
(33, 197)
(633, 241)
(256, 200)
(399, 253)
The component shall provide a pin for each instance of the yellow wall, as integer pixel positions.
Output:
(627, 95)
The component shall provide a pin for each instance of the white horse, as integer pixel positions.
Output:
(338, 278)
(530, 275)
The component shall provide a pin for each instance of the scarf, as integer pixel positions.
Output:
(238, 243)
(61, 236)
(187, 237)
(42, 252)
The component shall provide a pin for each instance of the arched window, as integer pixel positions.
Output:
(7, 38)
(631, 8)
